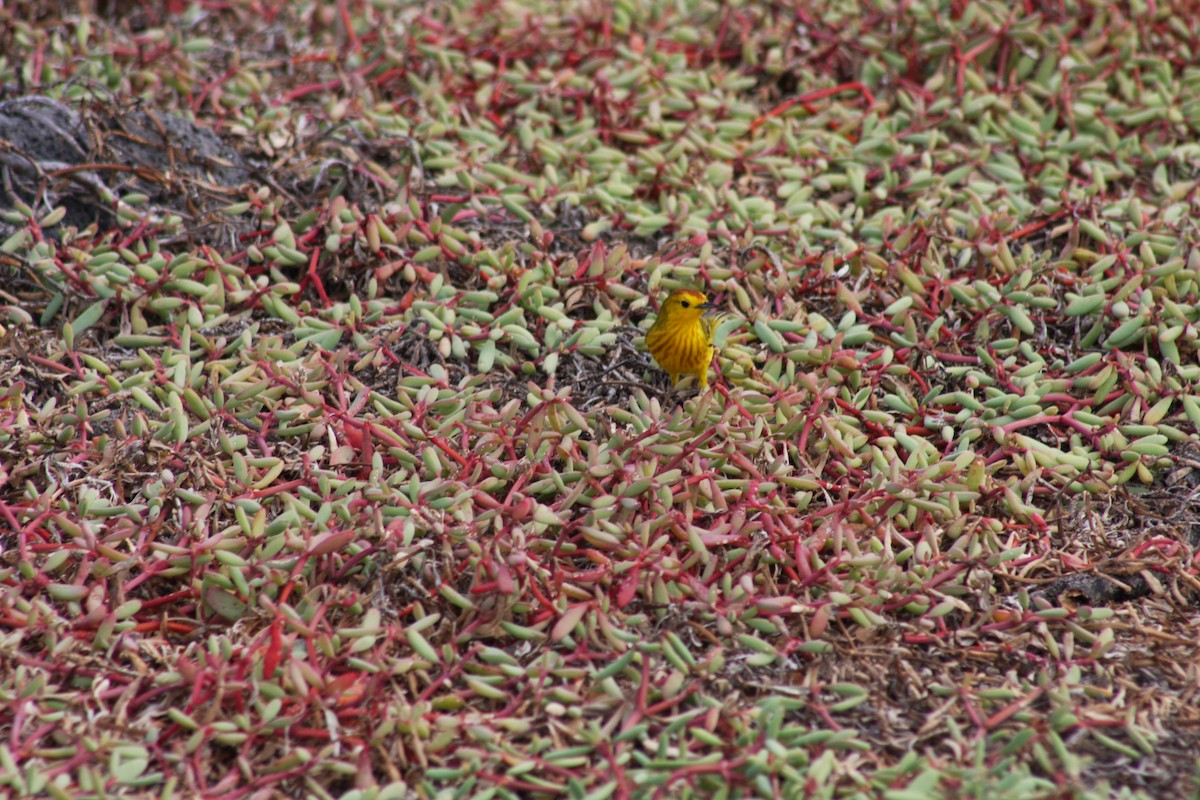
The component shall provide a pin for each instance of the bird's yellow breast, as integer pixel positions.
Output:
(681, 347)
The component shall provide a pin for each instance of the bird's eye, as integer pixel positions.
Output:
(685, 304)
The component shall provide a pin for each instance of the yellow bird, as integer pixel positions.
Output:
(681, 337)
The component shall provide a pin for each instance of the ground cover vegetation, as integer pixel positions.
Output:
(332, 462)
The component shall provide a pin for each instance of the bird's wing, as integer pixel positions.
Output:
(713, 320)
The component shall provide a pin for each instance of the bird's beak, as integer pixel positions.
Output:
(709, 304)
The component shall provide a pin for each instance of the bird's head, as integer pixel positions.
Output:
(686, 304)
